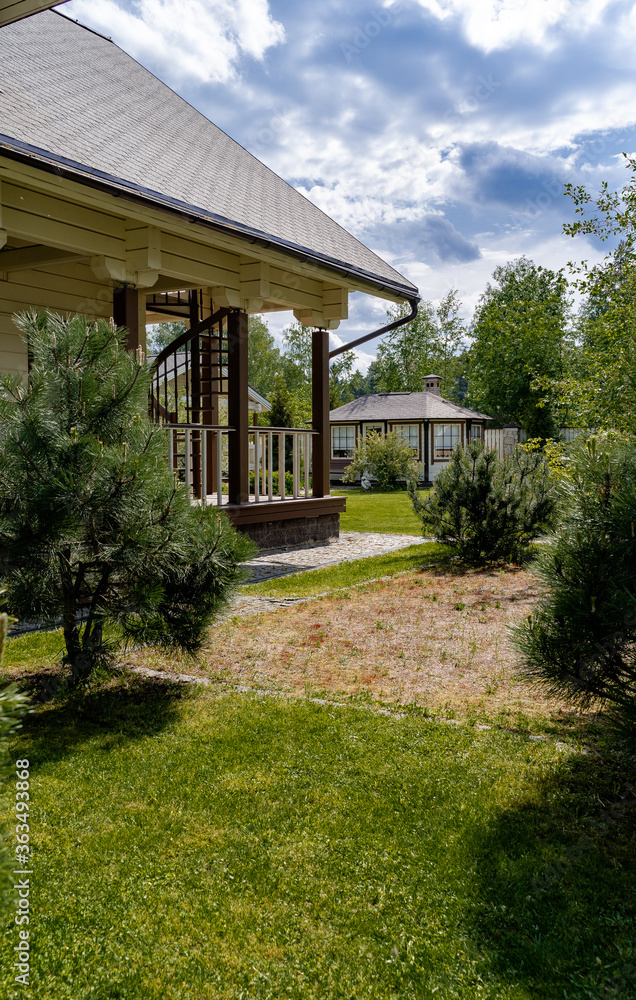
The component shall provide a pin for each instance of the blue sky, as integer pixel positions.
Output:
(439, 132)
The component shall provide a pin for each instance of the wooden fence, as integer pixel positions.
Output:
(505, 439)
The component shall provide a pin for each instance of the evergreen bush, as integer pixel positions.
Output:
(581, 639)
(386, 459)
(94, 530)
(488, 509)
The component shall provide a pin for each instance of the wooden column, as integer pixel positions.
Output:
(238, 411)
(129, 310)
(320, 412)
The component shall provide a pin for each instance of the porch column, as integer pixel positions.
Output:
(238, 410)
(129, 310)
(321, 443)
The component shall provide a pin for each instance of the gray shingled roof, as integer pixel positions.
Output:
(69, 94)
(403, 406)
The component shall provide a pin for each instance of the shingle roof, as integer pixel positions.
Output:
(69, 95)
(403, 406)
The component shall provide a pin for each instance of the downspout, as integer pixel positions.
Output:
(378, 333)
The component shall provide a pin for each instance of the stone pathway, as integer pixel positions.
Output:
(351, 545)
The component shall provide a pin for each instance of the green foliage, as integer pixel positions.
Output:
(93, 528)
(429, 344)
(519, 333)
(345, 382)
(581, 639)
(163, 334)
(264, 358)
(598, 389)
(289, 482)
(386, 459)
(488, 509)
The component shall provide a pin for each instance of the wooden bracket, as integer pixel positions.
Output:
(225, 298)
(109, 269)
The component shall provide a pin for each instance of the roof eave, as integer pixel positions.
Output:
(45, 160)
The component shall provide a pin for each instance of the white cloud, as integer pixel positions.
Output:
(203, 40)
(498, 24)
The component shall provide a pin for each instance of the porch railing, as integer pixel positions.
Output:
(273, 450)
(279, 461)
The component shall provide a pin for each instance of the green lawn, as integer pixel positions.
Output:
(385, 512)
(350, 574)
(200, 847)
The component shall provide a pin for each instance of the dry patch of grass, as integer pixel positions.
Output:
(431, 638)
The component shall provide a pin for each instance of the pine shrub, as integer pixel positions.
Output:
(581, 639)
(94, 530)
(489, 510)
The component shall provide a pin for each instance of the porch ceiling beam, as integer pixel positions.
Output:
(29, 257)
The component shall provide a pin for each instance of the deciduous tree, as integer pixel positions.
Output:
(519, 333)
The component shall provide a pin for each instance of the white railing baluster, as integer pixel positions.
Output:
(270, 470)
(188, 462)
(281, 465)
(257, 462)
(295, 466)
(264, 461)
(204, 467)
(306, 440)
(219, 468)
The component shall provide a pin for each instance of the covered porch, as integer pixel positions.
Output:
(102, 214)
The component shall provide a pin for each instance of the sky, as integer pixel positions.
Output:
(439, 132)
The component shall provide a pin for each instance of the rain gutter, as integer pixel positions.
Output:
(378, 333)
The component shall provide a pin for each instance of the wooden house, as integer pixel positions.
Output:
(117, 198)
(432, 425)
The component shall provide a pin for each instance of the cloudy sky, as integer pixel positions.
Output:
(439, 132)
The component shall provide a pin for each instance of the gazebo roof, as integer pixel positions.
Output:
(403, 406)
(72, 100)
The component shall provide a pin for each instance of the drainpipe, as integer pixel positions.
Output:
(378, 333)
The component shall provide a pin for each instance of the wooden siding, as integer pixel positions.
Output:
(154, 249)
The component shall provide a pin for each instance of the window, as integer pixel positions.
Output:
(447, 437)
(475, 432)
(411, 434)
(343, 442)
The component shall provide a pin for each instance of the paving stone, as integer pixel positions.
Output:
(349, 546)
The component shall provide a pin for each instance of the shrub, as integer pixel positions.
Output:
(581, 639)
(488, 509)
(386, 459)
(93, 528)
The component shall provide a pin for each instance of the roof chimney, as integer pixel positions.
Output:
(431, 384)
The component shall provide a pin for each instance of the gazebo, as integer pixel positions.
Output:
(117, 198)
